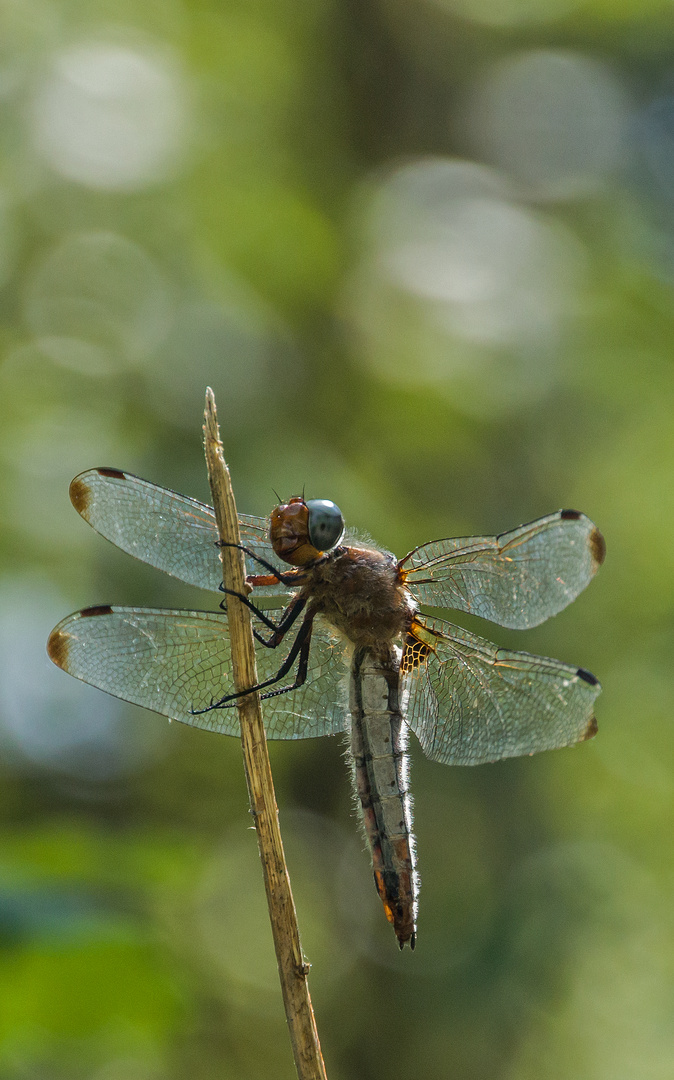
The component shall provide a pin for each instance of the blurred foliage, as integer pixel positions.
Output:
(423, 250)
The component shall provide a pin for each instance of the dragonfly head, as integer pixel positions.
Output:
(300, 531)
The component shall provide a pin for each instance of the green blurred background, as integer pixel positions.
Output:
(424, 254)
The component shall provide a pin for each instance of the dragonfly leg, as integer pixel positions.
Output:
(300, 646)
(280, 628)
(302, 668)
(251, 607)
(286, 578)
(288, 618)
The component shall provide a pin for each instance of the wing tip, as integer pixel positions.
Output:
(80, 488)
(80, 492)
(57, 648)
(58, 642)
(591, 729)
(595, 540)
(597, 546)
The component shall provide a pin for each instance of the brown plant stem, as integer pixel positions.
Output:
(291, 965)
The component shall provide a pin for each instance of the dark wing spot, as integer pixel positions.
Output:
(570, 515)
(597, 546)
(116, 474)
(57, 648)
(587, 676)
(591, 730)
(102, 609)
(79, 496)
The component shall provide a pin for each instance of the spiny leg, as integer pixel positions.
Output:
(302, 668)
(300, 647)
(285, 577)
(281, 628)
(288, 619)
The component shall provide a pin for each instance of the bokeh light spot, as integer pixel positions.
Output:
(104, 292)
(554, 121)
(110, 116)
(463, 286)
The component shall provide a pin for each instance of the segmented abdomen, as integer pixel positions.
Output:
(379, 748)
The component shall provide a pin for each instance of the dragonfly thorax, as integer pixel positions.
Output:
(359, 591)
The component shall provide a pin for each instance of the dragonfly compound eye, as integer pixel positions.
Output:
(326, 524)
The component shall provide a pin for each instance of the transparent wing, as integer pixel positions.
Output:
(176, 661)
(518, 579)
(471, 702)
(167, 530)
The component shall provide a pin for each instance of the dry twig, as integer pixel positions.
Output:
(292, 968)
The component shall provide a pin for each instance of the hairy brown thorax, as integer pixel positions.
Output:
(359, 591)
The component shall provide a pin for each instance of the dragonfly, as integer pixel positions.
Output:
(343, 643)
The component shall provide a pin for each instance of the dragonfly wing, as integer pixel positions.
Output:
(471, 702)
(518, 579)
(169, 531)
(321, 705)
(174, 662)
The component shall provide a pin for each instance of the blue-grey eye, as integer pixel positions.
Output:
(326, 523)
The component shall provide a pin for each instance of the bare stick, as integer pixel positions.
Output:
(292, 968)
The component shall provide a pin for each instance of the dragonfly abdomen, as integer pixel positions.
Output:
(381, 766)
